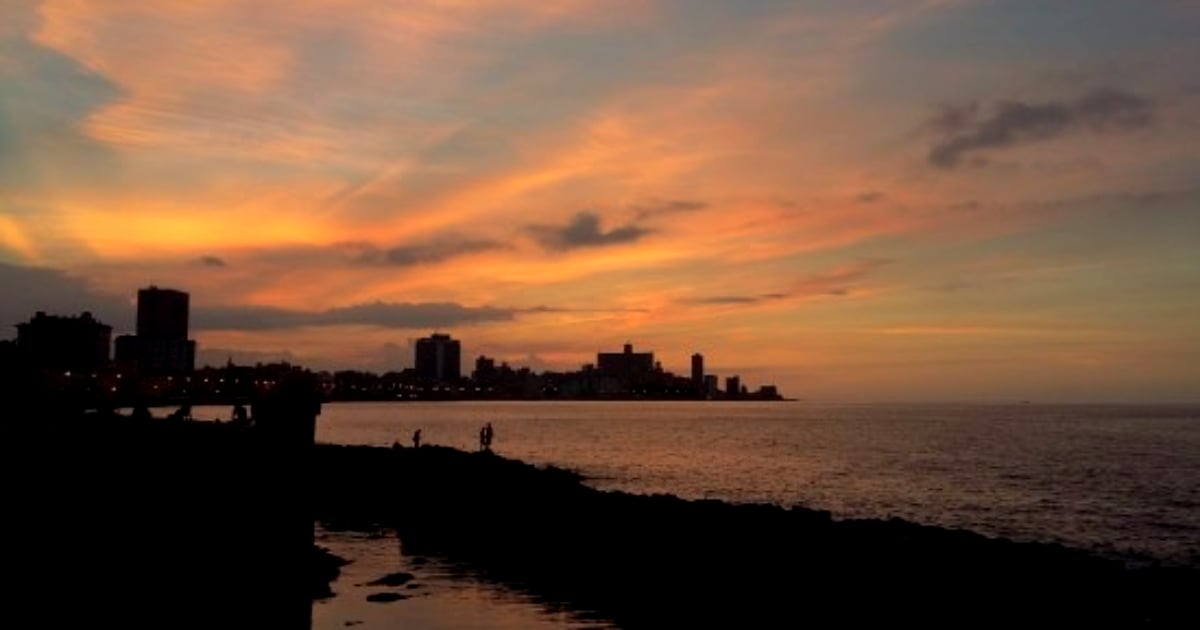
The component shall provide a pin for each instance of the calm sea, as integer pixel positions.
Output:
(1122, 481)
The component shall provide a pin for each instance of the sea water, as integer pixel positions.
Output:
(1122, 481)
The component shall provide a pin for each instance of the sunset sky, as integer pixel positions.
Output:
(853, 200)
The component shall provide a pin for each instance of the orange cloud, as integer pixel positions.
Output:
(14, 237)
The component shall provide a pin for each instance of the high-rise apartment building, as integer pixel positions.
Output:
(162, 314)
(439, 358)
(161, 345)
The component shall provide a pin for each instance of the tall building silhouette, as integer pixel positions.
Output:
(698, 372)
(161, 345)
(63, 343)
(733, 387)
(439, 358)
(624, 372)
(485, 369)
(162, 314)
(626, 363)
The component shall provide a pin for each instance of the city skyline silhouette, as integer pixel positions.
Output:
(78, 356)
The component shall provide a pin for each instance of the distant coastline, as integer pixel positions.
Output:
(432, 397)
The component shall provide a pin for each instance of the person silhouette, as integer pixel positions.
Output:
(483, 439)
(239, 416)
(488, 434)
(183, 413)
(416, 438)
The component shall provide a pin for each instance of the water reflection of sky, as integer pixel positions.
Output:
(442, 596)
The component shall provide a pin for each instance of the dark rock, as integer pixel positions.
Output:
(325, 568)
(392, 579)
(384, 598)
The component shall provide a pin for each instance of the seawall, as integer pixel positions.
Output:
(159, 523)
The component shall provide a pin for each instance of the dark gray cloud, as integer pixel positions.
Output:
(559, 309)
(740, 299)
(420, 315)
(658, 208)
(423, 254)
(1181, 198)
(964, 129)
(27, 290)
(212, 261)
(248, 318)
(584, 230)
(382, 314)
(402, 315)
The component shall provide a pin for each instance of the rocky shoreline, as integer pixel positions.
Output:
(648, 561)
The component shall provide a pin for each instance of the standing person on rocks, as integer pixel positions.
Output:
(488, 434)
(239, 416)
(416, 438)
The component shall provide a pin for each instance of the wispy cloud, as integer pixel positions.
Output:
(213, 261)
(965, 129)
(973, 330)
(584, 230)
(840, 281)
(423, 254)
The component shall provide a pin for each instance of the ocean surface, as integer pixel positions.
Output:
(1118, 480)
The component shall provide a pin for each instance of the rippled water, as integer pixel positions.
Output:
(1123, 481)
(1120, 480)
